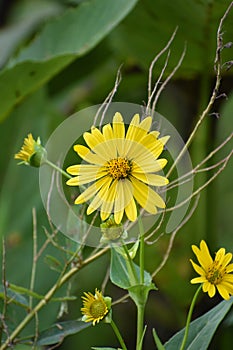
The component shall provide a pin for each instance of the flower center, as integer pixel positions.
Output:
(214, 273)
(118, 168)
(98, 309)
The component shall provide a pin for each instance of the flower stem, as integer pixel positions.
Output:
(54, 166)
(131, 267)
(118, 335)
(140, 323)
(142, 249)
(189, 318)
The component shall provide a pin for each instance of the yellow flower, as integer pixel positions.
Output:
(31, 153)
(95, 307)
(121, 166)
(213, 273)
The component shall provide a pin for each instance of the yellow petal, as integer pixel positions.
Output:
(197, 268)
(135, 132)
(151, 179)
(146, 123)
(146, 197)
(108, 202)
(107, 132)
(198, 280)
(90, 191)
(229, 268)
(131, 210)
(73, 181)
(149, 167)
(99, 197)
(94, 138)
(223, 292)
(164, 139)
(211, 290)
(225, 260)
(88, 156)
(118, 126)
(124, 190)
(203, 255)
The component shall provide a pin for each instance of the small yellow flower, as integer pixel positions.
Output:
(213, 273)
(121, 165)
(31, 153)
(94, 308)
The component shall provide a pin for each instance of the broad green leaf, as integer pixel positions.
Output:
(59, 331)
(59, 43)
(120, 274)
(149, 27)
(28, 17)
(202, 329)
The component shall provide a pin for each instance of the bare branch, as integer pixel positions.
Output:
(169, 78)
(104, 106)
(173, 235)
(153, 63)
(215, 90)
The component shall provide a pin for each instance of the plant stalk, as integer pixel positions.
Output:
(189, 318)
(118, 335)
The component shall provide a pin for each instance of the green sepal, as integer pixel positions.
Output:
(38, 157)
(108, 317)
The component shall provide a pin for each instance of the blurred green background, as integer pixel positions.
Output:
(58, 57)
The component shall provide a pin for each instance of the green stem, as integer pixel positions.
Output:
(142, 249)
(189, 318)
(140, 325)
(118, 335)
(54, 166)
(132, 271)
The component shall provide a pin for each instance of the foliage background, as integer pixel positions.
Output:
(57, 57)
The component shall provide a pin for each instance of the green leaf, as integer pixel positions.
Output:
(53, 263)
(119, 271)
(139, 293)
(28, 16)
(78, 30)
(202, 329)
(14, 297)
(59, 331)
(23, 290)
(157, 341)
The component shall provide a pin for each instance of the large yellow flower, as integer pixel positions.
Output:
(95, 307)
(121, 166)
(213, 273)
